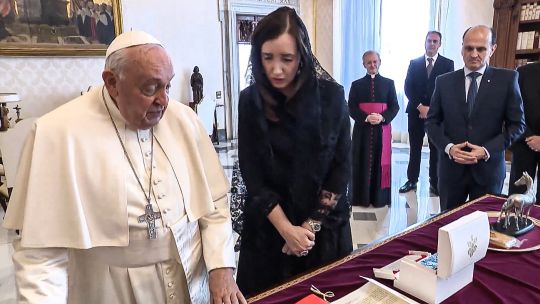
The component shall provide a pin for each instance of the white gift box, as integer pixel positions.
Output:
(460, 244)
(391, 271)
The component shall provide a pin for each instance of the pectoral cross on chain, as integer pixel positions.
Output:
(150, 217)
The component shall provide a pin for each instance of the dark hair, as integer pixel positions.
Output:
(283, 20)
(436, 33)
(493, 34)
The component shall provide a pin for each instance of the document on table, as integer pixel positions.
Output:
(374, 292)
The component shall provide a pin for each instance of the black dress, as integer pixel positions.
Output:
(367, 186)
(288, 163)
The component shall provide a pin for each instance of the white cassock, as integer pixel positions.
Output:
(76, 201)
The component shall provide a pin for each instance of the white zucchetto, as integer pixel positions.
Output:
(129, 39)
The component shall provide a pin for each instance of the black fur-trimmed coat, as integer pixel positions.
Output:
(288, 163)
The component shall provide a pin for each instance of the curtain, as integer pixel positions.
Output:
(404, 25)
(361, 31)
(394, 28)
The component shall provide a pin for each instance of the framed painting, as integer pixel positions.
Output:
(58, 27)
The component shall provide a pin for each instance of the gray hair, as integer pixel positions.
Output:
(117, 61)
(369, 53)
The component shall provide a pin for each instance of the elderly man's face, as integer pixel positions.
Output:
(142, 91)
(372, 62)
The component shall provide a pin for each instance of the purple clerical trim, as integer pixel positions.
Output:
(386, 153)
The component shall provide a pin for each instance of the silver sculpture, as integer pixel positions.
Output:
(518, 204)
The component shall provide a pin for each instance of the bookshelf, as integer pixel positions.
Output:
(517, 24)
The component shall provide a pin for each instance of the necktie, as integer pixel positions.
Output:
(473, 90)
(429, 66)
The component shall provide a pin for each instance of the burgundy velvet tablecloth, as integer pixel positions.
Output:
(501, 277)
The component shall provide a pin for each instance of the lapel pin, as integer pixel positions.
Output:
(489, 80)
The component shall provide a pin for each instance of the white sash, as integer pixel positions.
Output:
(188, 242)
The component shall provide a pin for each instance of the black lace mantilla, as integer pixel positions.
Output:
(238, 198)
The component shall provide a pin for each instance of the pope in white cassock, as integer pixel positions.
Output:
(120, 196)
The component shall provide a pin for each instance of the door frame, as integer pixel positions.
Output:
(228, 12)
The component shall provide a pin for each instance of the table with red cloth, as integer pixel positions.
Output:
(501, 277)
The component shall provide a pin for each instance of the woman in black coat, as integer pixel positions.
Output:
(294, 153)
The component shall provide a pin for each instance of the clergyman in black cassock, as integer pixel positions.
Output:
(372, 104)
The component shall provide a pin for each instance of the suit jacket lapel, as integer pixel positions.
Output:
(485, 83)
(461, 94)
(423, 68)
(436, 67)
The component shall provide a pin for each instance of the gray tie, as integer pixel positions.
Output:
(429, 67)
(473, 89)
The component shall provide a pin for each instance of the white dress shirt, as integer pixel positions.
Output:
(467, 71)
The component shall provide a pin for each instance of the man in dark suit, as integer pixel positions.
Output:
(419, 85)
(475, 114)
(525, 151)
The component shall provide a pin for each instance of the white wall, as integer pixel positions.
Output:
(44, 83)
(324, 34)
(306, 13)
(190, 31)
(458, 15)
(318, 18)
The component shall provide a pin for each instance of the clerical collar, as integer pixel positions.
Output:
(144, 135)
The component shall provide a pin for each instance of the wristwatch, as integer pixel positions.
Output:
(314, 225)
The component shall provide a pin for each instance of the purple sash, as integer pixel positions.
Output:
(386, 153)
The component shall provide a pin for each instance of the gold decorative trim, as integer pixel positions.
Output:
(72, 50)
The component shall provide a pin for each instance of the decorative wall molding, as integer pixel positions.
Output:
(45, 83)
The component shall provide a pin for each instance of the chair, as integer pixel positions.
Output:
(11, 144)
